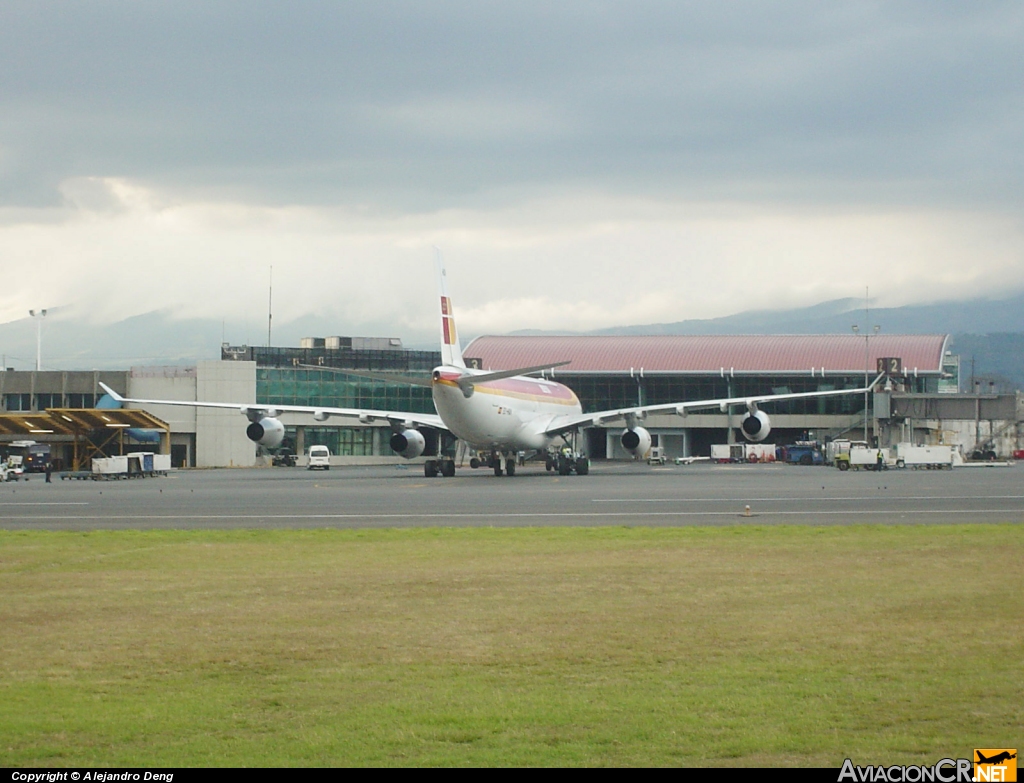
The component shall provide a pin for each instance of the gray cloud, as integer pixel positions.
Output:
(411, 106)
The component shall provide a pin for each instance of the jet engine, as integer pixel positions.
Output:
(268, 432)
(408, 443)
(756, 426)
(636, 441)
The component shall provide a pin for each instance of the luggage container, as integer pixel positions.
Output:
(110, 467)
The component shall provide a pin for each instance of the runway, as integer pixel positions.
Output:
(613, 494)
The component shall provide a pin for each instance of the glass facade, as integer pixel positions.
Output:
(347, 442)
(291, 376)
(288, 386)
(344, 358)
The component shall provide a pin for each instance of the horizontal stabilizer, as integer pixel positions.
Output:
(484, 377)
(497, 376)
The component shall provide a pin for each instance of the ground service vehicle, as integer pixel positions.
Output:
(902, 455)
(907, 455)
(742, 452)
(28, 455)
(319, 458)
(283, 458)
(841, 446)
(863, 458)
(804, 453)
(567, 462)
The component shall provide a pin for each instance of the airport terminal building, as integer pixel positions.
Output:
(920, 403)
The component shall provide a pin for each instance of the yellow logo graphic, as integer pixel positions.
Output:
(995, 764)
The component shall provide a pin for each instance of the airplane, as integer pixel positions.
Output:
(496, 413)
(996, 759)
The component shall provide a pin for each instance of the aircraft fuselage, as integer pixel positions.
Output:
(504, 415)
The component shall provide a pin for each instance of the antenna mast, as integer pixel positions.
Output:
(270, 306)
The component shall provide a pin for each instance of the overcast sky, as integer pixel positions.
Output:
(581, 164)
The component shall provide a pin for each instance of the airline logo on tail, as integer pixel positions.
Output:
(447, 321)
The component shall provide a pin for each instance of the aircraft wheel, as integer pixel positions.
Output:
(448, 469)
(474, 463)
(510, 467)
(430, 468)
(582, 466)
(497, 467)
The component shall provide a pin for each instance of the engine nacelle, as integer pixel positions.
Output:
(756, 426)
(636, 441)
(408, 443)
(268, 432)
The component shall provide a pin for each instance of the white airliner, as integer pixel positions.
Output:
(496, 413)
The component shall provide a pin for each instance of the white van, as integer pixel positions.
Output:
(319, 458)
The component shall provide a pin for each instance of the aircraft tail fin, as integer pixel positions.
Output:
(113, 394)
(451, 351)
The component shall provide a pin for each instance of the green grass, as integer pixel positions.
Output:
(568, 646)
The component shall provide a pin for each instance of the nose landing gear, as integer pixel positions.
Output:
(503, 463)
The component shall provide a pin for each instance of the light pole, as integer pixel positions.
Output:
(39, 316)
(867, 360)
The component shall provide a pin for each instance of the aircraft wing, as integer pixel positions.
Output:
(559, 424)
(320, 413)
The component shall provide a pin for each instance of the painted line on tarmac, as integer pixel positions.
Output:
(889, 498)
(48, 503)
(484, 516)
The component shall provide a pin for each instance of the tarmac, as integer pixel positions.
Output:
(613, 494)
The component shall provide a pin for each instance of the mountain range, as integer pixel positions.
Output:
(988, 334)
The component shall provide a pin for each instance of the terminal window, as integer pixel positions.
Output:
(44, 401)
(18, 402)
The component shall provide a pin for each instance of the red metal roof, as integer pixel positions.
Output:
(709, 354)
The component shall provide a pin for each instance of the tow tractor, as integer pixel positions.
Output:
(567, 461)
(11, 469)
(569, 458)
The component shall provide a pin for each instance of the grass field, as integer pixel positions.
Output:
(567, 646)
